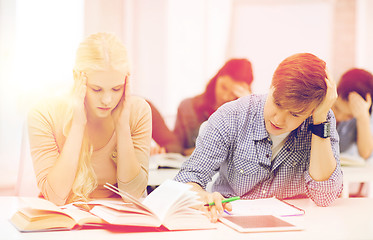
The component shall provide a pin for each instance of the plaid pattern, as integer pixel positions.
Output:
(236, 144)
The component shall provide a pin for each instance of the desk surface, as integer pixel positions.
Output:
(158, 176)
(347, 218)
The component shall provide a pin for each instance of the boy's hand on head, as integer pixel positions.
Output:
(321, 111)
(358, 105)
(79, 93)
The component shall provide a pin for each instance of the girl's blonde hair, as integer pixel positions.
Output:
(98, 52)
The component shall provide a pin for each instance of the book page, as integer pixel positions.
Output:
(265, 206)
(82, 217)
(128, 197)
(127, 208)
(42, 208)
(166, 196)
(108, 202)
(169, 204)
(39, 203)
(129, 218)
(27, 219)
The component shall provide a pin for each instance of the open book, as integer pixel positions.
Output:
(170, 205)
(166, 160)
(38, 214)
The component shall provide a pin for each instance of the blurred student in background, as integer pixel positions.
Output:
(231, 82)
(98, 134)
(165, 139)
(353, 112)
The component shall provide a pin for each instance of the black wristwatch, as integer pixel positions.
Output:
(322, 130)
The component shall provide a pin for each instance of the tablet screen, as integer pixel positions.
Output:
(260, 223)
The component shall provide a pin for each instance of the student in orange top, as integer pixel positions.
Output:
(98, 134)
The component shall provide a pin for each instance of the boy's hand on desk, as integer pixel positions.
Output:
(213, 212)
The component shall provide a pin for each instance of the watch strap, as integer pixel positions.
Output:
(322, 130)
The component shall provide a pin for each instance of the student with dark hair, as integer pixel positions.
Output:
(352, 111)
(232, 81)
(282, 144)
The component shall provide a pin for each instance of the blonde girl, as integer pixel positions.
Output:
(98, 134)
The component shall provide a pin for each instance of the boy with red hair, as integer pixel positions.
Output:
(283, 144)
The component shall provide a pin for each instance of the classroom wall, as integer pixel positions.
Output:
(364, 32)
(191, 40)
(266, 32)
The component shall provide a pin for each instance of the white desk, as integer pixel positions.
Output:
(158, 176)
(358, 174)
(346, 218)
(351, 174)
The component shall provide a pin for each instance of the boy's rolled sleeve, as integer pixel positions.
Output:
(323, 193)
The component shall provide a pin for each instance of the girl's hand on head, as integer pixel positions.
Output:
(358, 105)
(321, 111)
(122, 112)
(79, 93)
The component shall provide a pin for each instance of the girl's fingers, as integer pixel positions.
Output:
(79, 98)
(82, 86)
(127, 91)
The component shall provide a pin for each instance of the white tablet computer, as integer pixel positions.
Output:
(260, 223)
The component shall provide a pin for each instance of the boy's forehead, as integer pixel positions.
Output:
(295, 107)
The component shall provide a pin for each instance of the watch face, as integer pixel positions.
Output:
(326, 129)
